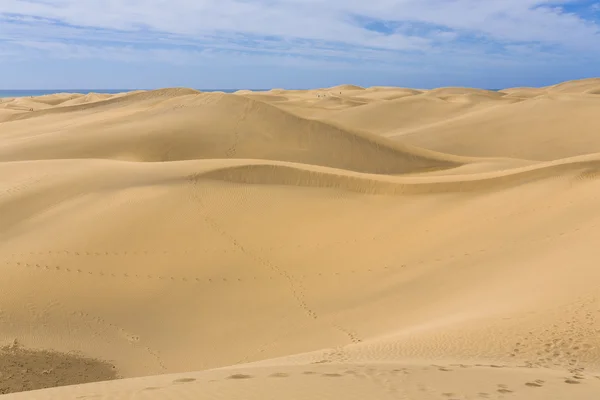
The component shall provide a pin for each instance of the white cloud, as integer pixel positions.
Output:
(300, 28)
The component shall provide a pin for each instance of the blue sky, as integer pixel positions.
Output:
(62, 44)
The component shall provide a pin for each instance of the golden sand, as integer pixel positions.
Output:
(347, 242)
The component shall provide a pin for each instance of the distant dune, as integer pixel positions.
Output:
(346, 87)
(344, 242)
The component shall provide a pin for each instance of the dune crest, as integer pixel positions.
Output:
(342, 242)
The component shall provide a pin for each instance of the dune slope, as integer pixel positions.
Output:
(214, 246)
(181, 126)
(525, 123)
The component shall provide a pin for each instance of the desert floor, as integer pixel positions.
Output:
(355, 243)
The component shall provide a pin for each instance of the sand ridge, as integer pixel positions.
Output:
(344, 242)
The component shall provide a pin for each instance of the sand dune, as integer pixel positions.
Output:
(523, 123)
(576, 87)
(95, 102)
(523, 93)
(346, 87)
(543, 128)
(401, 113)
(458, 91)
(415, 245)
(200, 126)
(583, 86)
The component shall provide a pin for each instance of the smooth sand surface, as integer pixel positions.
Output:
(347, 242)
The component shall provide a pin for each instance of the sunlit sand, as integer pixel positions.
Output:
(346, 242)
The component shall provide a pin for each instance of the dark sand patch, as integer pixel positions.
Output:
(23, 369)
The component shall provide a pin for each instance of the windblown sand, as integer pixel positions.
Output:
(355, 243)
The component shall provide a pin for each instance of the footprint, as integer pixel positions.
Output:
(279, 375)
(332, 375)
(533, 384)
(239, 376)
(134, 339)
(502, 388)
(572, 381)
(184, 380)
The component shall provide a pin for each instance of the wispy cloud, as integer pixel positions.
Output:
(313, 32)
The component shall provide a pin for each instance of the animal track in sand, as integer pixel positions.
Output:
(232, 150)
(125, 275)
(122, 253)
(133, 339)
(295, 286)
(500, 246)
(23, 185)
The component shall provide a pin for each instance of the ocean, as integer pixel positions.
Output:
(34, 93)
